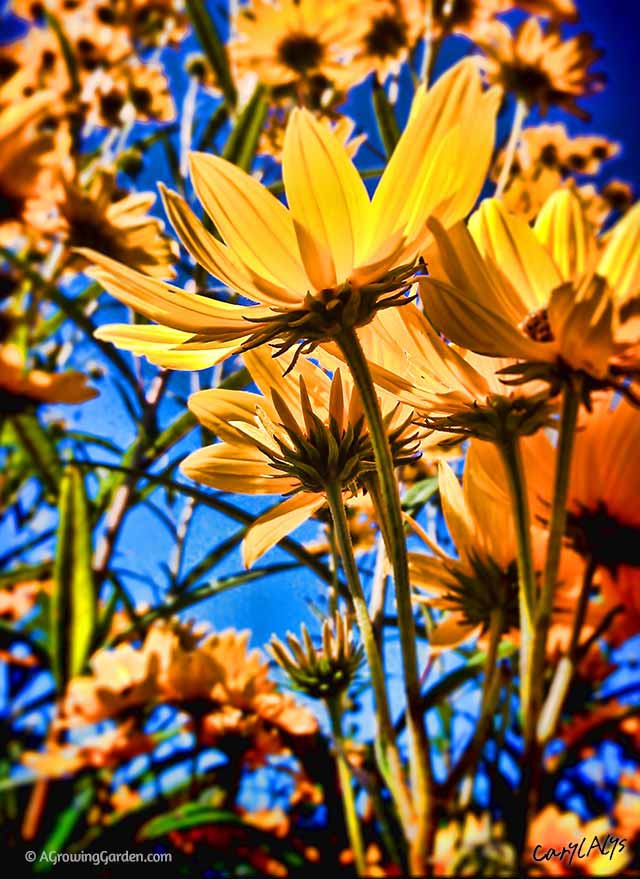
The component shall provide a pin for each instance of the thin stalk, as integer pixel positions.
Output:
(519, 115)
(557, 525)
(509, 450)
(386, 750)
(390, 512)
(565, 669)
(491, 685)
(354, 831)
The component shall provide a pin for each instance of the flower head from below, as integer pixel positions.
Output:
(546, 297)
(321, 673)
(454, 393)
(306, 434)
(541, 68)
(335, 256)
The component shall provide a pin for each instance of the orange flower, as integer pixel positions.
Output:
(541, 68)
(604, 519)
(109, 750)
(18, 600)
(20, 386)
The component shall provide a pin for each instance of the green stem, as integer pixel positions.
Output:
(386, 750)
(519, 116)
(352, 822)
(565, 669)
(390, 512)
(511, 456)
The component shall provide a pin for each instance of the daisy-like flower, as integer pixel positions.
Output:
(484, 577)
(393, 29)
(117, 223)
(272, 138)
(603, 516)
(551, 146)
(297, 41)
(541, 68)
(305, 435)
(334, 257)
(453, 392)
(21, 387)
(543, 296)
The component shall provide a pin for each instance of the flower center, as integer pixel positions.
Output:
(300, 52)
(608, 541)
(388, 34)
(536, 325)
(549, 155)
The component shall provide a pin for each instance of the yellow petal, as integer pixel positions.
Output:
(471, 325)
(277, 523)
(215, 257)
(242, 469)
(255, 225)
(268, 371)
(170, 305)
(566, 233)
(459, 522)
(161, 345)
(218, 409)
(451, 632)
(620, 263)
(513, 249)
(327, 199)
(452, 101)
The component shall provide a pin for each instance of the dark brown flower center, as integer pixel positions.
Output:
(536, 325)
(549, 155)
(387, 35)
(608, 541)
(300, 52)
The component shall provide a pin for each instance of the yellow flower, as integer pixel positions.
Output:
(472, 846)
(541, 68)
(557, 10)
(543, 295)
(334, 257)
(272, 137)
(20, 386)
(452, 391)
(117, 223)
(394, 28)
(305, 434)
(297, 41)
(27, 154)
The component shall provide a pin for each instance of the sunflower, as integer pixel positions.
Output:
(297, 42)
(21, 387)
(543, 296)
(541, 68)
(272, 137)
(305, 435)
(117, 223)
(393, 29)
(334, 257)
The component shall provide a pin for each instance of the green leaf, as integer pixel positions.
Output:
(37, 443)
(185, 817)
(73, 600)
(243, 141)
(217, 119)
(418, 495)
(63, 828)
(386, 119)
(213, 47)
